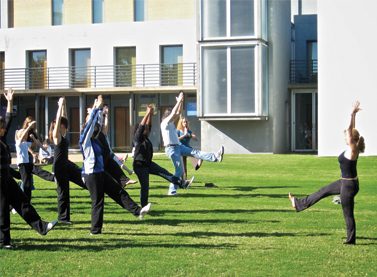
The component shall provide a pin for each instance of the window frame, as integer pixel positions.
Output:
(260, 95)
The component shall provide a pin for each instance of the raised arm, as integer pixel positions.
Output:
(22, 134)
(176, 111)
(9, 96)
(105, 126)
(56, 136)
(355, 109)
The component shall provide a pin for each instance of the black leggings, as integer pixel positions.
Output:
(26, 171)
(347, 190)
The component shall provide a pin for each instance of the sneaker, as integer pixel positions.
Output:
(13, 211)
(8, 246)
(131, 182)
(172, 190)
(51, 225)
(187, 183)
(95, 234)
(144, 210)
(199, 164)
(220, 154)
(336, 199)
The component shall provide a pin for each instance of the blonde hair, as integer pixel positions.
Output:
(180, 123)
(359, 140)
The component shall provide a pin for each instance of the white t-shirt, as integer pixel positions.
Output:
(169, 133)
(22, 150)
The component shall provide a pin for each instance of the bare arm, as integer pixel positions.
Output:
(9, 96)
(105, 126)
(353, 144)
(176, 111)
(22, 134)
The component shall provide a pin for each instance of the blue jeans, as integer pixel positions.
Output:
(176, 152)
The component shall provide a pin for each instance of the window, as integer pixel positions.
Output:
(97, 11)
(10, 14)
(312, 61)
(139, 10)
(125, 66)
(57, 12)
(80, 68)
(2, 67)
(36, 73)
(227, 18)
(230, 86)
(171, 65)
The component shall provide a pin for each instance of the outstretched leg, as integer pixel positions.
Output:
(310, 200)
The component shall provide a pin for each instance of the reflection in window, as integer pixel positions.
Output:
(97, 11)
(227, 18)
(215, 80)
(242, 72)
(171, 65)
(240, 66)
(2, 66)
(242, 17)
(80, 70)
(125, 66)
(312, 61)
(36, 73)
(57, 12)
(214, 18)
(139, 10)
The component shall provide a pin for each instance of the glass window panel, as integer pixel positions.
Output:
(242, 17)
(214, 18)
(80, 62)
(215, 81)
(57, 12)
(139, 10)
(36, 72)
(243, 80)
(125, 61)
(97, 11)
(171, 65)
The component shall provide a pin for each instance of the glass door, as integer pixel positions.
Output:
(304, 121)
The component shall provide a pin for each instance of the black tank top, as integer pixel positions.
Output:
(347, 167)
(61, 151)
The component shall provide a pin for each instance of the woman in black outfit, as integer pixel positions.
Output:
(347, 186)
(63, 168)
(10, 192)
(143, 164)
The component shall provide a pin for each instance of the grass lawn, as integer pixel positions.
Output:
(244, 226)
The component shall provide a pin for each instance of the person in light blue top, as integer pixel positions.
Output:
(174, 150)
(97, 180)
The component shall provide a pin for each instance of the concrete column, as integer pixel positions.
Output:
(4, 13)
(82, 109)
(47, 127)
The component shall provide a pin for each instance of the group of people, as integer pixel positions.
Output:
(102, 170)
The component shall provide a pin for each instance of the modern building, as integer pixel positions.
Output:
(346, 72)
(133, 52)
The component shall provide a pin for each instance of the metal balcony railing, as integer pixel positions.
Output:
(303, 72)
(139, 76)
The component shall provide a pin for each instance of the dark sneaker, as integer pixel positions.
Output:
(51, 225)
(187, 183)
(65, 222)
(198, 164)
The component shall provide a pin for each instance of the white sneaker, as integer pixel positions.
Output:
(189, 182)
(144, 210)
(13, 211)
(220, 154)
(51, 226)
(172, 190)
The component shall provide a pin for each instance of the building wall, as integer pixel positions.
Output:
(32, 13)
(271, 135)
(118, 11)
(77, 12)
(168, 9)
(101, 39)
(347, 61)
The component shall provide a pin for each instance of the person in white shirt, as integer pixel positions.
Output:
(174, 150)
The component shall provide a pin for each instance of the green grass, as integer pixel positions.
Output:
(242, 227)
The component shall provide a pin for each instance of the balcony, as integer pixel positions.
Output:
(93, 77)
(303, 72)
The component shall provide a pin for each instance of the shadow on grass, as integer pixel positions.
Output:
(101, 243)
(248, 234)
(245, 188)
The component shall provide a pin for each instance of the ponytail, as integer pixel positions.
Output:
(361, 144)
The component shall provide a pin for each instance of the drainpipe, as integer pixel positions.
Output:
(299, 7)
